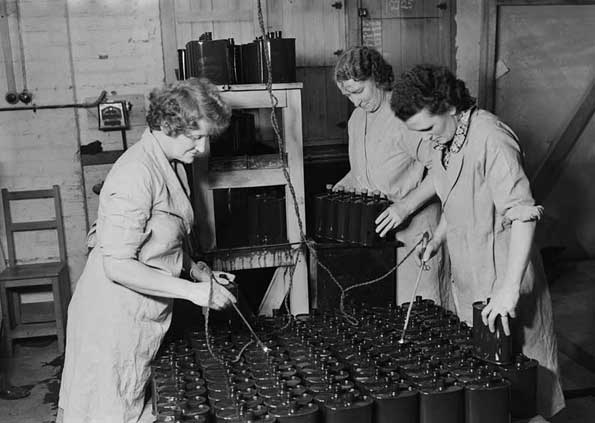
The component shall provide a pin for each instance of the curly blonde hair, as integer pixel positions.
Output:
(363, 63)
(180, 106)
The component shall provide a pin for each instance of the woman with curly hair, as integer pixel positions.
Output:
(122, 304)
(385, 156)
(488, 218)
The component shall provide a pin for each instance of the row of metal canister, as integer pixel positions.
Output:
(349, 216)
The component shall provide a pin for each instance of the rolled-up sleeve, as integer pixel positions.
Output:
(124, 209)
(505, 176)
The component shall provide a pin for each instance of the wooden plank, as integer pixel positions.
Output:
(104, 157)
(34, 329)
(34, 226)
(551, 167)
(7, 221)
(254, 257)
(246, 178)
(292, 128)
(254, 99)
(487, 59)
(168, 39)
(216, 15)
(183, 30)
(263, 161)
(260, 87)
(29, 195)
(30, 274)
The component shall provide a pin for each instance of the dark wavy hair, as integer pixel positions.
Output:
(363, 63)
(179, 107)
(430, 87)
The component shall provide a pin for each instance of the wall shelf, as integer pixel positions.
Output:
(104, 157)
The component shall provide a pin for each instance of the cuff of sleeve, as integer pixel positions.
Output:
(523, 213)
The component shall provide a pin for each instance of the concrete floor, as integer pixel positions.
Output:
(573, 296)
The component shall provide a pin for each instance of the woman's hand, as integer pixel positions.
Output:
(200, 272)
(390, 218)
(199, 295)
(426, 250)
(503, 303)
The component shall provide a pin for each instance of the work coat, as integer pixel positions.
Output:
(114, 332)
(483, 189)
(385, 156)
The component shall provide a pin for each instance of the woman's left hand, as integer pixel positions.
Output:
(201, 272)
(502, 303)
(390, 218)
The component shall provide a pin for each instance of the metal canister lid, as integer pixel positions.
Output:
(293, 410)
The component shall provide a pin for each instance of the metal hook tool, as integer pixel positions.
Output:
(424, 243)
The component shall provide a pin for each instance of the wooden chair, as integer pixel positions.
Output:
(18, 277)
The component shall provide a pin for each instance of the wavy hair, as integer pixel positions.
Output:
(180, 106)
(363, 63)
(430, 87)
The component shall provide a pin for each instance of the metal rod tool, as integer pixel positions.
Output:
(424, 244)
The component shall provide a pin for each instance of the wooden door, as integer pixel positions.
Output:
(539, 78)
(406, 32)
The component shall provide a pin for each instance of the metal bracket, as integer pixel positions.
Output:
(362, 12)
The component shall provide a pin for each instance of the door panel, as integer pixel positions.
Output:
(410, 32)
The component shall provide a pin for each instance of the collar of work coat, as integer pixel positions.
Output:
(175, 180)
(450, 176)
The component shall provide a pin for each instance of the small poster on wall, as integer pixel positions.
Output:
(372, 33)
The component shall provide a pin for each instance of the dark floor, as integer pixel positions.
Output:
(573, 296)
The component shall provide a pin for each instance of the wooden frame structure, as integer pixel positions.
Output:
(261, 171)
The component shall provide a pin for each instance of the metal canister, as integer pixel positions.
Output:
(495, 348)
(348, 409)
(522, 375)
(487, 401)
(392, 404)
(320, 206)
(331, 211)
(439, 403)
(292, 413)
(371, 208)
(343, 217)
(355, 217)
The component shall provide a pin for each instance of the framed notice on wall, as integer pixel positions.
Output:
(372, 33)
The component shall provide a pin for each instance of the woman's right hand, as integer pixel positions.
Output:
(199, 294)
(423, 253)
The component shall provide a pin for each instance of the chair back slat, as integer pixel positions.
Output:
(39, 225)
(31, 194)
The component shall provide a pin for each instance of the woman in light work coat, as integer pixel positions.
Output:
(121, 307)
(488, 216)
(385, 156)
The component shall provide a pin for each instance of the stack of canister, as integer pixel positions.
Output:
(224, 62)
(349, 216)
(320, 368)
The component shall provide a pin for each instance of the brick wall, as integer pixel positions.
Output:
(72, 50)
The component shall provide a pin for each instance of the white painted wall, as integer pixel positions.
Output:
(72, 50)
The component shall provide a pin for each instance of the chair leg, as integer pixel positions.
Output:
(6, 323)
(58, 306)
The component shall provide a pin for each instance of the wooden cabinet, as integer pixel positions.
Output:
(259, 172)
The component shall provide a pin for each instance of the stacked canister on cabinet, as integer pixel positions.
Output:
(321, 369)
(349, 216)
(225, 63)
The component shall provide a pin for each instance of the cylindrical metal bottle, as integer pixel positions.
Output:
(522, 374)
(487, 401)
(494, 347)
(441, 404)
